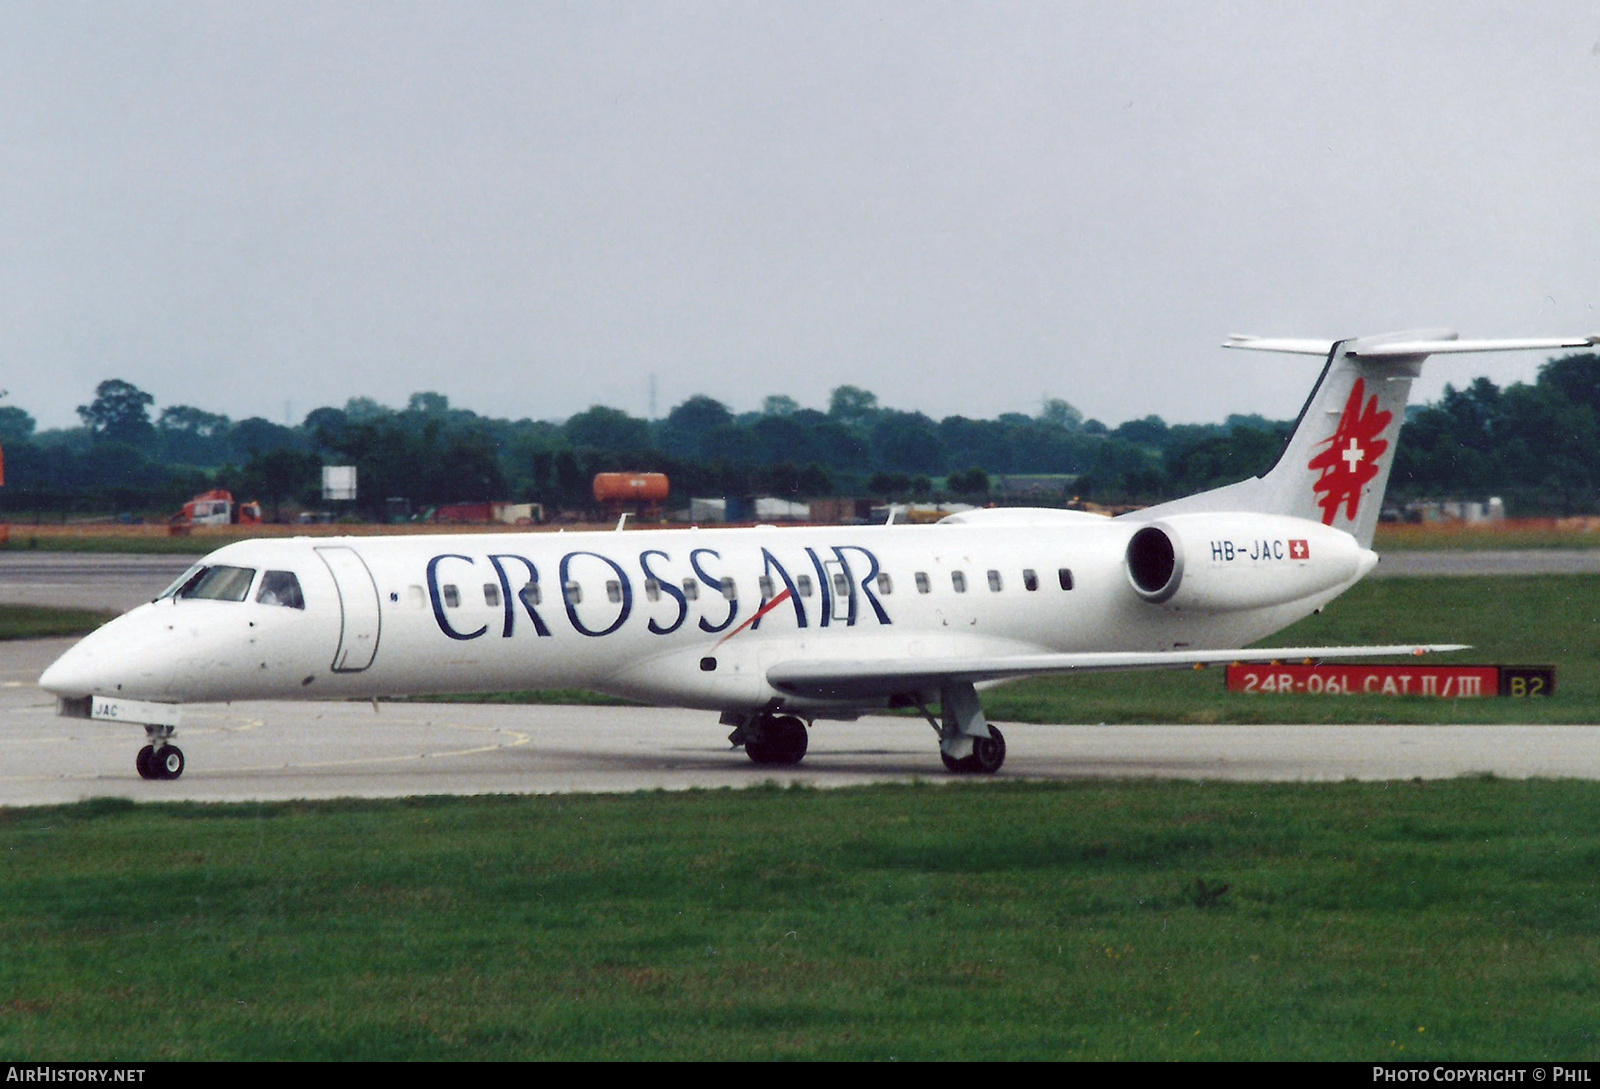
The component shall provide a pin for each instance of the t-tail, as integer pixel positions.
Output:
(1336, 464)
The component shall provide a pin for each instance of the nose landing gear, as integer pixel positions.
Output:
(160, 759)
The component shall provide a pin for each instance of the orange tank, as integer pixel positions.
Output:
(630, 487)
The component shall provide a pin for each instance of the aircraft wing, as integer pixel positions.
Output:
(858, 679)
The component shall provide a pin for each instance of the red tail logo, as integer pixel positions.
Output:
(1350, 459)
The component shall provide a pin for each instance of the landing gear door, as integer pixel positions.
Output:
(358, 607)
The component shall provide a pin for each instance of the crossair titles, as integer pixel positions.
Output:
(844, 597)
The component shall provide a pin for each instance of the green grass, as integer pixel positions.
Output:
(39, 622)
(1532, 620)
(22, 541)
(1100, 920)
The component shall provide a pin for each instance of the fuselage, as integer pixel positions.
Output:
(686, 617)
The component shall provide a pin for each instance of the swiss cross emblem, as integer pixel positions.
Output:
(1349, 459)
(1299, 550)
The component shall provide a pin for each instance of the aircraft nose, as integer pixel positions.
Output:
(126, 654)
(75, 674)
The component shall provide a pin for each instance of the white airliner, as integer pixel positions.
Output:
(778, 627)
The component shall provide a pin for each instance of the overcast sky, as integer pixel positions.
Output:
(532, 207)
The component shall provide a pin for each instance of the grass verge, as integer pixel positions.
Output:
(1101, 920)
(39, 622)
(1532, 620)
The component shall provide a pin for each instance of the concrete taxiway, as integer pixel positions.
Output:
(280, 751)
(268, 751)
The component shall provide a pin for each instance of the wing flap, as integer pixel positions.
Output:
(858, 679)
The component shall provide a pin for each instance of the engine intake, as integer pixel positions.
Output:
(1154, 564)
(1223, 562)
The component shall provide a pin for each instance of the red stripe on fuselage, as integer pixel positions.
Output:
(763, 611)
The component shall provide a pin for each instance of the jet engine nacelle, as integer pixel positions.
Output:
(1223, 562)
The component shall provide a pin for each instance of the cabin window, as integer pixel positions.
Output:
(765, 583)
(841, 586)
(491, 595)
(219, 584)
(885, 584)
(803, 584)
(994, 581)
(280, 588)
(691, 589)
(613, 591)
(573, 591)
(1030, 579)
(652, 590)
(452, 596)
(729, 590)
(530, 594)
(958, 581)
(1065, 575)
(923, 585)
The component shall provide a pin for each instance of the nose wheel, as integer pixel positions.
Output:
(160, 759)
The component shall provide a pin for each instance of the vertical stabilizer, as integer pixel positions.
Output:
(1335, 466)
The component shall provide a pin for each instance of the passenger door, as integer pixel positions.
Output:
(358, 607)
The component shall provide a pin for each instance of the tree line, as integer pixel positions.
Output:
(1534, 444)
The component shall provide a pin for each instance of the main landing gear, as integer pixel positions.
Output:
(160, 759)
(988, 753)
(968, 745)
(772, 739)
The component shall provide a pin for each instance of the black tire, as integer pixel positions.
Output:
(788, 740)
(988, 753)
(783, 741)
(168, 762)
(145, 762)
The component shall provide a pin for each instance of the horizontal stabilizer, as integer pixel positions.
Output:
(1442, 347)
(856, 679)
(1398, 348)
(1280, 344)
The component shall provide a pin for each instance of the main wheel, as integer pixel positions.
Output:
(783, 740)
(988, 753)
(145, 762)
(788, 740)
(168, 762)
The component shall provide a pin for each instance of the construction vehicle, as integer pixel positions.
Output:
(215, 508)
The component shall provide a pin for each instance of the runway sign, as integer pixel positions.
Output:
(1441, 682)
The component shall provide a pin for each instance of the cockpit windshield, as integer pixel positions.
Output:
(182, 580)
(216, 583)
